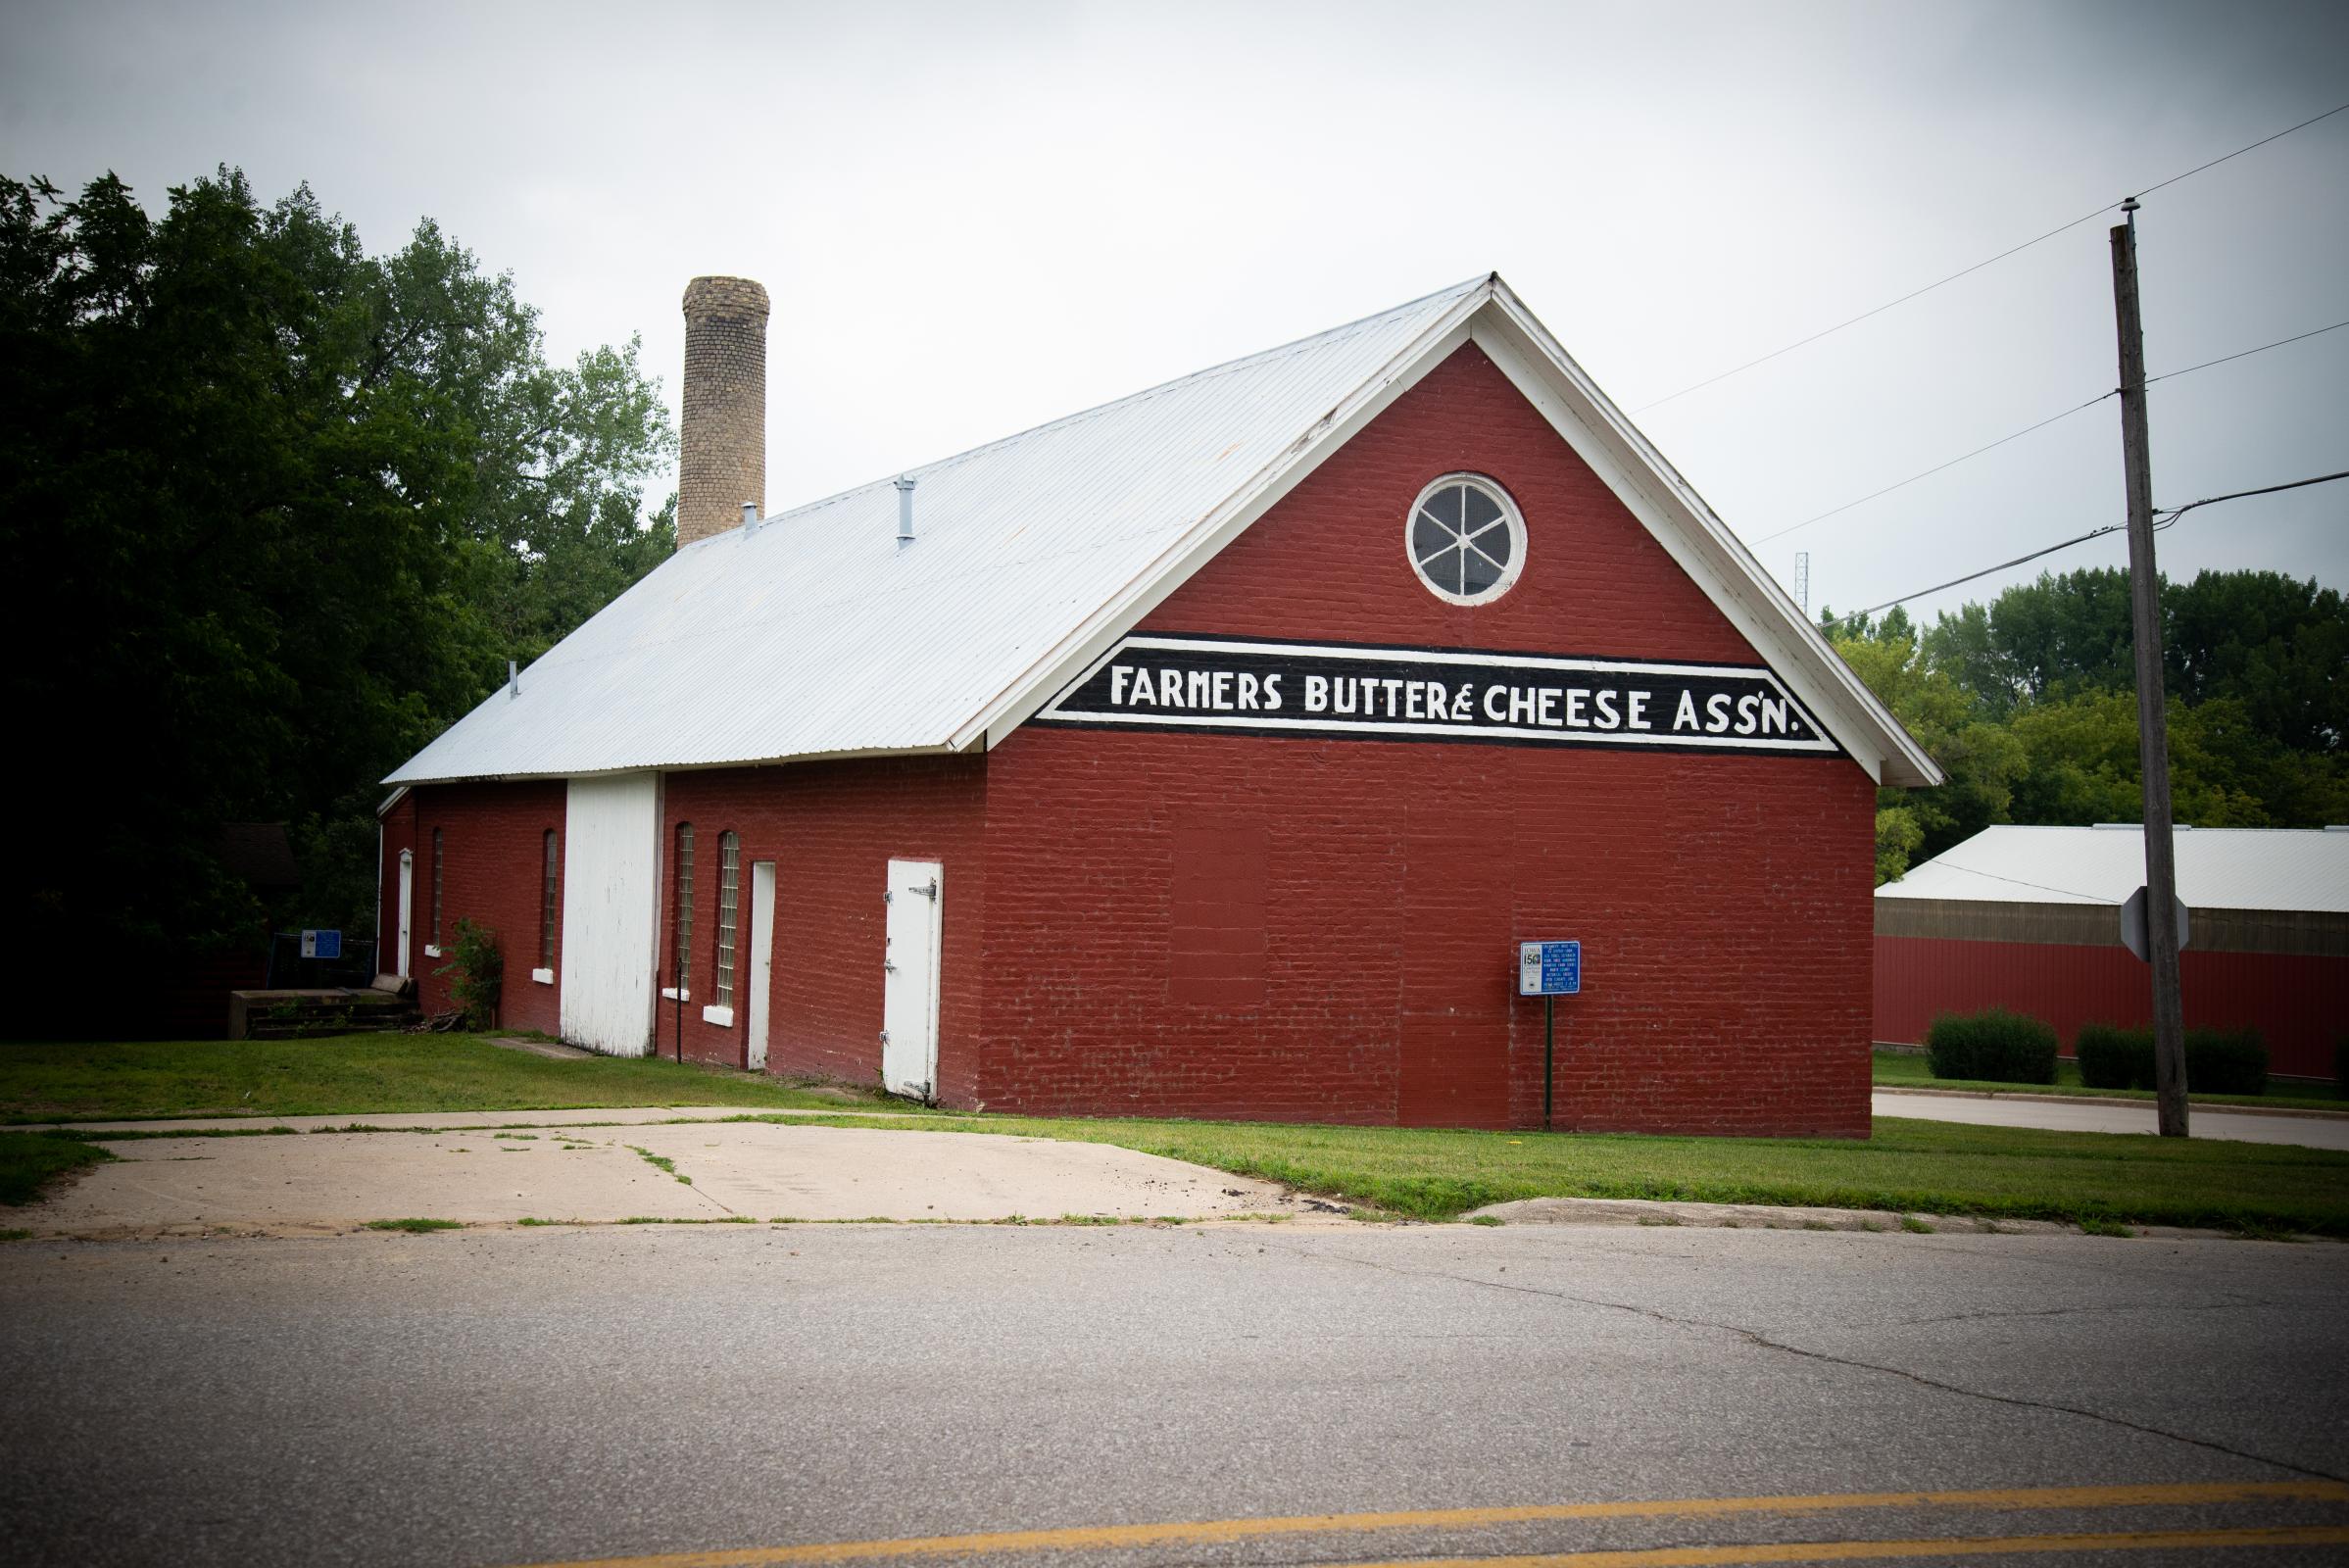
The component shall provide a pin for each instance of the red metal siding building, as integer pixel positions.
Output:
(2027, 919)
(1248, 822)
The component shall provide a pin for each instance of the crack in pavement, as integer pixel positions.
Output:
(2083, 1311)
(1762, 1340)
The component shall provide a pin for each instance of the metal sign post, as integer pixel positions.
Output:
(1549, 970)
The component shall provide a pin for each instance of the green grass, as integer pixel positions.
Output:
(416, 1227)
(659, 1162)
(1899, 1070)
(29, 1161)
(356, 1074)
(1911, 1167)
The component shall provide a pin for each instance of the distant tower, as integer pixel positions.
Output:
(1802, 580)
(721, 449)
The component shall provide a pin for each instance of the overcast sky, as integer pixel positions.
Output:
(974, 218)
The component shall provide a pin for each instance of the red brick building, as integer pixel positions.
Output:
(1205, 754)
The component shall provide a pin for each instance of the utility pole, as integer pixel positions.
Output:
(2153, 722)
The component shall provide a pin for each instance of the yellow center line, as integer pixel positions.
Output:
(1890, 1551)
(1103, 1537)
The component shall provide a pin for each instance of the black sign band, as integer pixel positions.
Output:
(1252, 687)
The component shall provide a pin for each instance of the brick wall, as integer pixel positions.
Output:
(1724, 901)
(493, 849)
(831, 828)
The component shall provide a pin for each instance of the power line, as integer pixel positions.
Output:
(2076, 539)
(1935, 469)
(2176, 513)
(1927, 473)
(2015, 249)
(2246, 354)
(2241, 151)
(2168, 519)
(2072, 893)
(1830, 331)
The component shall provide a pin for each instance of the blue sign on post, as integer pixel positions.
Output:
(321, 944)
(1549, 968)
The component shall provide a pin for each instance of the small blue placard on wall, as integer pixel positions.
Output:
(1549, 968)
(321, 944)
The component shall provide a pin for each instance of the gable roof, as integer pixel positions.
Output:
(816, 634)
(2218, 867)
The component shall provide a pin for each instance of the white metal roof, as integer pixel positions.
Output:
(2218, 867)
(818, 634)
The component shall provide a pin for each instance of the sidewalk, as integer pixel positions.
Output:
(2063, 1114)
(699, 1170)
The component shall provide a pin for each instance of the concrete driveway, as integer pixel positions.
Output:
(309, 1184)
(2065, 1114)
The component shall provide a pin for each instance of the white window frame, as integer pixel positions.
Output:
(1510, 517)
(550, 904)
(730, 922)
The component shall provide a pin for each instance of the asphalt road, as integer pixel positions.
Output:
(525, 1397)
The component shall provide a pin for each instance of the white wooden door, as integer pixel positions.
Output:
(762, 956)
(917, 900)
(407, 906)
(611, 912)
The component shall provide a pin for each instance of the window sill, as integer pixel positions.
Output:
(432, 952)
(672, 993)
(545, 977)
(723, 1017)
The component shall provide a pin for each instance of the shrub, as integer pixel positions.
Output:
(2226, 1061)
(2114, 1057)
(2219, 1062)
(480, 971)
(1995, 1045)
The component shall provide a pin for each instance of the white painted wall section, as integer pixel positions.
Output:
(611, 912)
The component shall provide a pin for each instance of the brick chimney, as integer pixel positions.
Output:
(722, 457)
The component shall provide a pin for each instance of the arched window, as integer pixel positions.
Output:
(436, 886)
(681, 938)
(729, 892)
(546, 910)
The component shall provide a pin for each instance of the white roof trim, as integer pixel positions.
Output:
(849, 755)
(1696, 538)
(1665, 504)
(1219, 529)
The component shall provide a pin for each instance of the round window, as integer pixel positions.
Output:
(1466, 539)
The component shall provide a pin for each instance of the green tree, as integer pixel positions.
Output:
(2028, 703)
(1980, 757)
(2066, 634)
(2272, 644)
(2224, 771)
(280, 512)
(2270, 640)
